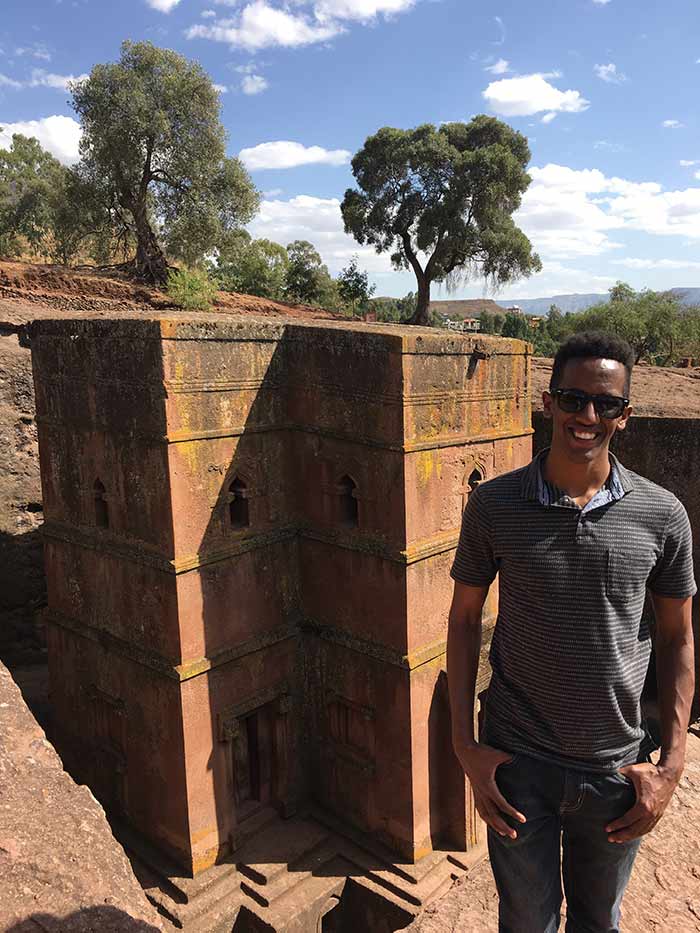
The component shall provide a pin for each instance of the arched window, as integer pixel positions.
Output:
(347, 502)
(101, 506)
(238, 504)
(475, 477)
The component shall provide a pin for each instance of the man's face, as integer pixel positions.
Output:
(584, 436)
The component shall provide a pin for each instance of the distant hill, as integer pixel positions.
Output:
(687, 297)
(465, 307)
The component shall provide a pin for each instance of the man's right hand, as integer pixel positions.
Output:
(479, 763)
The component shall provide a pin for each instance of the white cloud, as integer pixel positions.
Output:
(559, 216)
(609, 73)
(286, 154)
(319, 221)
(260, 26)
(36, 50)
(672, 124)
(601, 2)
(6, 81)
(697, 175)
(253, 84)
(501, 67)
(163, 6)
(221, 88)
(502, 29)
(41, 78)
(558, 279)
(632, 263)
(607, 145)
(59, 135)
(686, 163)
(359, 10)
(569, 212)
(208, 14)
(530, 94)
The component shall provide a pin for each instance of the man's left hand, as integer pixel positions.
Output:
(654, 785)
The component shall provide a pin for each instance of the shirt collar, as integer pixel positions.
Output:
(620, 479)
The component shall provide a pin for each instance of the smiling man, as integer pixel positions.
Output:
(563, 762)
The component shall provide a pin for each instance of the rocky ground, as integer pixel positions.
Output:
(61, 870)
(663, 895)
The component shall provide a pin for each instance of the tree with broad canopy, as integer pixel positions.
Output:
(441, 199)
(152, 134)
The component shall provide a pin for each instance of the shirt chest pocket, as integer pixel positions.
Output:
(627, 572)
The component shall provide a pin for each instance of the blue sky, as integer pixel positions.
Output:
(605, 90)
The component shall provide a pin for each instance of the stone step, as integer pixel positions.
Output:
(314, 863)
(279, 848)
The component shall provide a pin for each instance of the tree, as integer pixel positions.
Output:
(354, 287)
(516, 325)
(441, 200)
(152, 134)
(30, 179)
(305, 272)
(651, 322)
(255, 267)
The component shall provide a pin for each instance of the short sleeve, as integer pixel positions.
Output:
(673, 574)
(474, 562)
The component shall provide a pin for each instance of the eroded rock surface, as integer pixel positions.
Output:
(60, 867)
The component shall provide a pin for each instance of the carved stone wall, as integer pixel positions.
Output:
(249, 528)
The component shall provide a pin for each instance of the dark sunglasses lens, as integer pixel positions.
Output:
(571, 401)
(609, 406)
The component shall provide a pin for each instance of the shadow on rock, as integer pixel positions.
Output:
(103, 919)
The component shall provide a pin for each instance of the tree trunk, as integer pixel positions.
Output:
(421, 315)
(151, 264)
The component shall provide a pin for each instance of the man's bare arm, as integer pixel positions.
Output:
(478, 761)
(675, 678)
(463, 648)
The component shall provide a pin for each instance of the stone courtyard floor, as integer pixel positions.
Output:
(663, 895)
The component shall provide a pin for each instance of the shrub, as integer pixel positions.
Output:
(191, 289)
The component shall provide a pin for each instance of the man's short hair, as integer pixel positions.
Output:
(592, 345)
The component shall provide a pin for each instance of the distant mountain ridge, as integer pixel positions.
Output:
(579, 302)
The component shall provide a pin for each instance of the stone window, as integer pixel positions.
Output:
(351, 726)
(101, 506)
(346, 490)
(475, 477)
(239, 511)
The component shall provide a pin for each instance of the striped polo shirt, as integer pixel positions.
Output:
(570, 648)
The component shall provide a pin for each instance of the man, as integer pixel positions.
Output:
(577, 540)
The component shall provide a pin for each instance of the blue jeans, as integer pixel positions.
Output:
(570, 807)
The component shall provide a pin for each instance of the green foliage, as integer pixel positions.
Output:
(152, 135)
(491, 322)
(191, 289)
(448, 193)
(516, 325)
(306, 277)
(354, 288)
(651, 322)
(394, 310)
(254, 267)
(31, 181)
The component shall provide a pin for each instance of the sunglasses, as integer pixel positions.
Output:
(606, 406)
